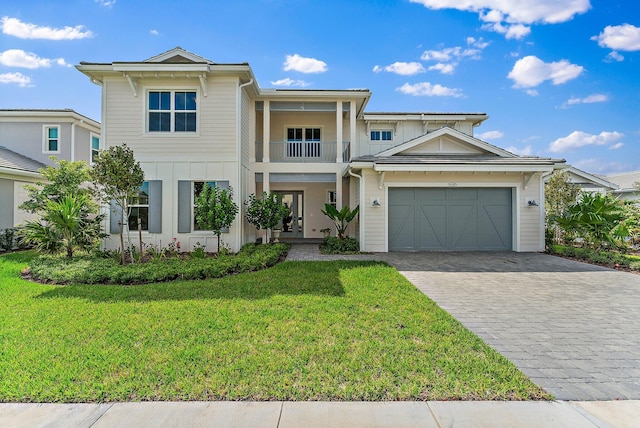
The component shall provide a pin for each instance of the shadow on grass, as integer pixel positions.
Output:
(287, 278)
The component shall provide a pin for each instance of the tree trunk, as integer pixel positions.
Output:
(140, 236)
(121, 244)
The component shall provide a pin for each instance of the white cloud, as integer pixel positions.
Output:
(401, 68)
(106, 3)
(596, 166)
(296, 62)
(625, 37)
(513, 18)
(532, 92)
(614, 56)
(19, 78)
(290, 83)
(490, 135)
(154, 32)
(520, 152)
(428, 89)
(20, 58)
(578, 139)
(15, 27)
(593, 98)
(449, 58)
(443, 68)
(531, 71)
(616, 146)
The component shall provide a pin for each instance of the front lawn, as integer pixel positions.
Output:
(342, 330)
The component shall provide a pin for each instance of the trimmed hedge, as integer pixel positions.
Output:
(333, 245)
(97, 270)
(605, 258)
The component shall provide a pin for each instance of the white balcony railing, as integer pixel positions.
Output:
(303, 151)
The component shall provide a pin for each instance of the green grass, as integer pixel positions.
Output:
(340, 330)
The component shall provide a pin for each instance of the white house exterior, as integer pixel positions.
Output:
(422, 180)
(28, 138)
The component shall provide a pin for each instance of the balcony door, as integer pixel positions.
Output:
(303, 143)
(292, 226)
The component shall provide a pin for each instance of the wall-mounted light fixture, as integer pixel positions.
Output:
(532, 203)
(375, 202)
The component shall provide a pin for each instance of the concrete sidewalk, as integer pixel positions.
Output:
(278, 414)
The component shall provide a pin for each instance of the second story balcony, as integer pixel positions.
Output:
(303, 151)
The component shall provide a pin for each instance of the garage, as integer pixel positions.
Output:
(450, 219)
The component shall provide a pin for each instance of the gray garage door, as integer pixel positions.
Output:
(454, 219)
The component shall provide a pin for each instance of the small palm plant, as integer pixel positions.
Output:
(341, 218)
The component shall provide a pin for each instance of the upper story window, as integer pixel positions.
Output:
(172, 111)
(51, 139)
(381, 135)
(95, 147)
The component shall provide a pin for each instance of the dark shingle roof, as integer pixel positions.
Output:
(12, 160)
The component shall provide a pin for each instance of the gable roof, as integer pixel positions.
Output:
(11, 160)
(178, 55)
(476, 145)
(587, 179)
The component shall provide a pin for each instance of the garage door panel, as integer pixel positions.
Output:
(431, 228)
(401, 226)
(450, 219)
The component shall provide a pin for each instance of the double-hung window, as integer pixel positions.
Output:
(381, 135)
(139, 208)
(51, 139)
(95, 147)
(309, 146)
(172, 111)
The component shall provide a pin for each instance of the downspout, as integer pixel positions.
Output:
(361, 225)
(240, 228)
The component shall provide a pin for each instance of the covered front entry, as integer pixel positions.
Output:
(292, 226)
(450, 219)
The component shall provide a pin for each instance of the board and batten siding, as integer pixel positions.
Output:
(527, 220)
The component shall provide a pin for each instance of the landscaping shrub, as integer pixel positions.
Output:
(333, 245)
(606, 258)
(94, 269)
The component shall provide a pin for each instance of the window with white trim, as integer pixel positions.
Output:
(95, 147)
(381, 135)
(51, 139)
(139, 208)
(172, 111)
(332, 199)
(303, 142)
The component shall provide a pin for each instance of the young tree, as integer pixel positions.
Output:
(118, 177)
(64, 179)
(341, 219)
(559, 194)
(215, 209)
(265, 212)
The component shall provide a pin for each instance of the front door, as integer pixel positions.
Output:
(292, 225)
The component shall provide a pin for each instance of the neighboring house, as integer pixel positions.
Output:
(422, 180)
(589, 182)
(28, 138)
(627, 185)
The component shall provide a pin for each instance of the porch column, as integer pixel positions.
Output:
(265, 188)
(266, 132)
(352, 128)
(339, 191)
(252, 132)
(338, 132)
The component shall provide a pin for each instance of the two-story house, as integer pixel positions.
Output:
(422, 180)
(28, 139)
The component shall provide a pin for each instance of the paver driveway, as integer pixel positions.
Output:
(573, 328)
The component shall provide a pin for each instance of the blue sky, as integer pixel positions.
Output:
(557, 78)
